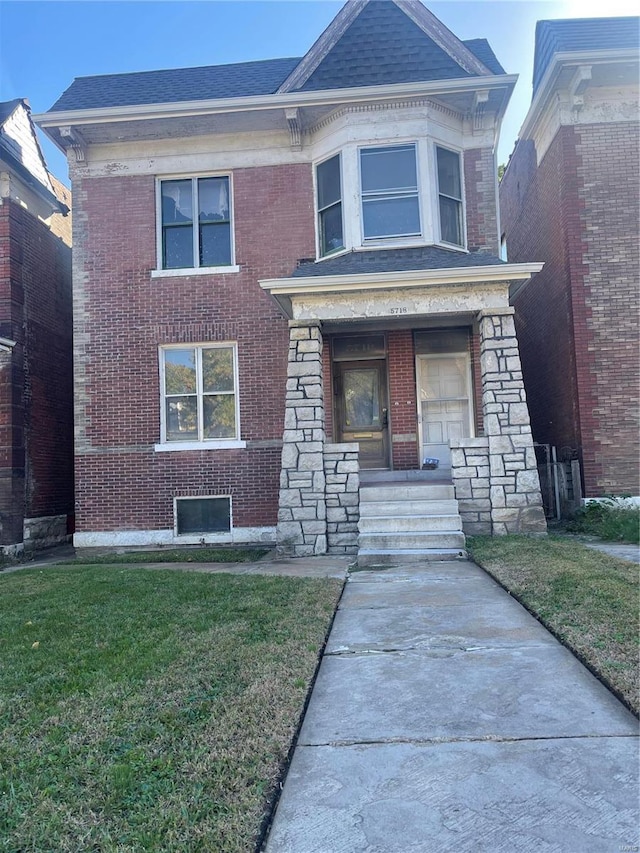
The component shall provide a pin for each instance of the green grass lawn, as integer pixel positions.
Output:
(149, 710)
(174, 555)
(588, 599)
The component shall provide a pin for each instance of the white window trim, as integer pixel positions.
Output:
(197, 536)
(209, 443)
(194, 271)
(401, 239)
(437, 227)
(159, 271)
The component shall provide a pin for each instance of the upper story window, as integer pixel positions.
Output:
(329, 191)
(195, 223)
(450, 196)
(199, 394)
(390, 197)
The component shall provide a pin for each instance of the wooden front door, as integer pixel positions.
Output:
(362, 409)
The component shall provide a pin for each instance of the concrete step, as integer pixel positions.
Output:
(375, 557)
(417, 492)
(399, 508)
(412, 541)
(409, 523)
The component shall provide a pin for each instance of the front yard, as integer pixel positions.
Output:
(588, 599)
(149, 710)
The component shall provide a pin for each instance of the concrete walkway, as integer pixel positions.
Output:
(446, 718)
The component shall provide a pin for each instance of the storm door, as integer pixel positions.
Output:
(362, 410)
(444, 406)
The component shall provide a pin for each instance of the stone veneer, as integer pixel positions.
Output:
(318, 510)
(514, 488)
(470, 473)
(342, 475)
(302, 509)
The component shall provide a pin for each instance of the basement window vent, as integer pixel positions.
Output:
(202, 515)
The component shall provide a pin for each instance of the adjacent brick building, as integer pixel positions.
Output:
(286, 276)
(569, 197)
(36, 408)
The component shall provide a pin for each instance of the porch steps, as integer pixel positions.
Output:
(408, 521)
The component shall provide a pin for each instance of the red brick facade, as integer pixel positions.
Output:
(123, 315)
(578, 319)
(36, 391)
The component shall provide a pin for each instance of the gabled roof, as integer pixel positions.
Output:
(373, 42)
(579, 35)
(7, 108)
(370, 42)
(22, 153)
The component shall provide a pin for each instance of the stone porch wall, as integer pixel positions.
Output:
(470, 473)
(342, 476)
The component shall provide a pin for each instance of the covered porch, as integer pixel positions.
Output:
(403, 375)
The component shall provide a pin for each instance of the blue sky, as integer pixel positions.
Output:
(44, 45)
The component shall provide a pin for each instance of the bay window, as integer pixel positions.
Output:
(389, 191)
(329, 197)
(450, 196)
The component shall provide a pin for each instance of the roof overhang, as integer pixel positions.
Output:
(575, 71)
(285, 290)
(54, 124)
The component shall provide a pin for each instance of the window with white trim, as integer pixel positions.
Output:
(389, 192)
(329, 206)
(450, 196)
(195, 223)
(199, 393)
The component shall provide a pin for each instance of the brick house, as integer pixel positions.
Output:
(339, 320)
(569, 197)
(36, 388)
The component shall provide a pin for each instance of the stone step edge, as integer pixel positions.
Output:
(458, 553)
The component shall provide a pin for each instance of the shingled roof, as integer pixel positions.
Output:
(209, 82)
(395, 260)
(381, 46)
(581, 34)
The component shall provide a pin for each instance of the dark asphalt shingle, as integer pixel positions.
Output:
(482, 50)
(579, 34)
(382, 45)
(243, 79)
(395, 260)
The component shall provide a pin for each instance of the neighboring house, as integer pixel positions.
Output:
(569, 197)
(308, 244)
(36, 387)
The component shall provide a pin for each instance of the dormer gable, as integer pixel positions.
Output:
(372, 42)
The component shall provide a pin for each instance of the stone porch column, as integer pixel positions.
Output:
(516, 501)
(302, 513)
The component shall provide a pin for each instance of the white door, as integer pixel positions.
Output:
(444, 405)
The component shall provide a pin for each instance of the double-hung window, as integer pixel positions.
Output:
(389, 188)
(196, 223)
(450, 196)
(199, 393)
(329, 191)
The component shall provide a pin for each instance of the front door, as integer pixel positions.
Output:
(362, 409)
(444, 405)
